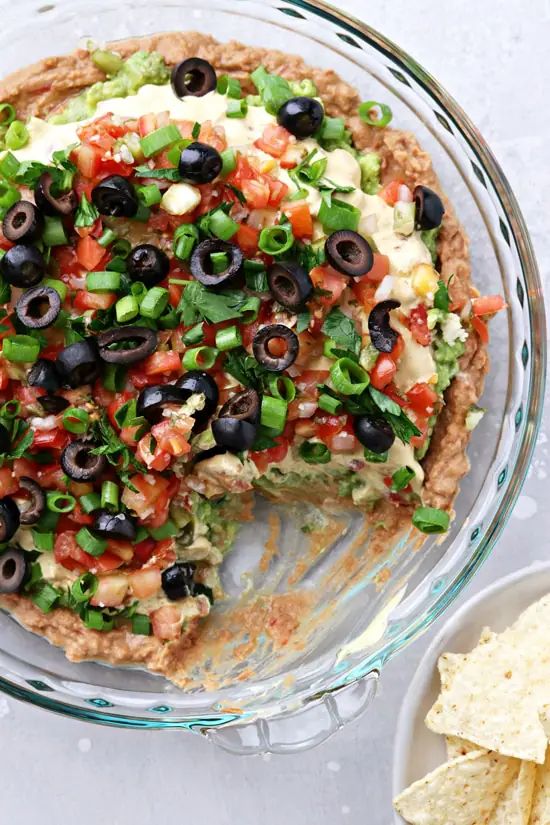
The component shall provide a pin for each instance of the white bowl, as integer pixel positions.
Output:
(417, 750)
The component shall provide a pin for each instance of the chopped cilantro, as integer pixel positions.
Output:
(342, 330)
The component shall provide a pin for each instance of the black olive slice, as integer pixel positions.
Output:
(132, 344)
(80, 464)
(234, 434)
(301, 116)
(290, 284)
(244, 406)
(114, 525)
(261, 347)
(9, 518)
(78, 363)
(429, 209)
(5, 439)
(53, 404)
(38, 307)
(177, 581)
(116, 197)
(202, 267)
(194, 76)
(349, 253)
(44, 374)
(152, 400)
(382, 335)
(197, 381)
(34, 508)
(23, 266)
(200, 163)
(22, 223)
(148, 264)
(50, 204)
(13, 570)
(374, 433)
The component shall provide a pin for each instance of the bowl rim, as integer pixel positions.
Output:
(536, 382)
(424, 670)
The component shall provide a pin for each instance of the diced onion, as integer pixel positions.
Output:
(48, 423)
(77, 282)
(370, 225)
(306, 409)
(343, 442)
(385, 289)
(404, 194)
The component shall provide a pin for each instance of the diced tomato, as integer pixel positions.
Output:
(111, 591)
(89, 252)
(147, 124)
(172, 438)
(84, 300)
(87, 159)
(329, 425)
(274, 140)
(273, 455)
(421, 422)
(52, 477)
(145, 583)
(174, 294)
(144, 550)
(247, 238)
(167, 622)
(277, 191)
(398, 348)
(161, 362)
(329, 280)
(256, 193)
(488, 305)
(4, 377)
(149, 488)
(8, 484)
(300, 218)
(123, 549)
(156, 458)
(305, 427)
(481, 328)
(380, 268)
(418, 325)
(105, 563)
(422, 398)
(78, 516)
(50, 439)
(390, 192)
(9, 328)
(383, 371)
(307, 381)
(24, 467)
(69, 554)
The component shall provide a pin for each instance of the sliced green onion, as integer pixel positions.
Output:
(185, 238)
(154, 303)
(143, 213)
(43, 541)
(103, 281)
(116, 264)
(46, 597)
(139, 291)
(273, 413)
(375, 458)
(84, 588)
(169, 318)
(348, 377)
(276, 240)
(10, 409)
(47, 522)
(90, 502)
(382, 113)
(174, 152)
(255, 276)
(160, 139)
(166, 531)
(150, 195)
(107, 238)
(237, 108)
(314, 452)
(229, 86)
(108, 62)
(228, 338)
(126, 308)
(332, 129)
(54, 232)
(8, 195)
(199, 358)
(281, 386)
(7, 114)
(95, 620)
(90, 543)
(338, 215)
(194, 335)
(142, 533)
(59, 286)
(17, 135)
(9, 166)
(329, 403)
(60, 502)
(401, 478)
(221, 225)
(250, 309)
(299, 195)
(110, 495)
(220, 262)
(21, 348)
(229, 162)
(141, 624)
(121, 248)
(76, 420)
(328, 346)
(114, 377)
(431, 520)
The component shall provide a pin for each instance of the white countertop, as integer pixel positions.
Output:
(493, 57)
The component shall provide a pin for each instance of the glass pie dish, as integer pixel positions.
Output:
(287, 698)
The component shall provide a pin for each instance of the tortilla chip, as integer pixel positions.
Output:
(514, 806)
(458, 747)
(464, 791)
(494, 696)
(540, 812)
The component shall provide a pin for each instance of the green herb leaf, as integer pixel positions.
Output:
(157, 174)
(197, 303)
(383, 402)
(273, 90)
(195, 132)
(302, 320)
(441, 297)
(246, 369)
(431, 520)
(264, 440)
(342, 330)
(116, 451)
(86, 214)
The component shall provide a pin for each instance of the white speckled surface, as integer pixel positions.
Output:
(493, 57)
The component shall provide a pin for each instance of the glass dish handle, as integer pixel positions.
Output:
(300, 729)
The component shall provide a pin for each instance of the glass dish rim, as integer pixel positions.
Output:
(536, 382)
